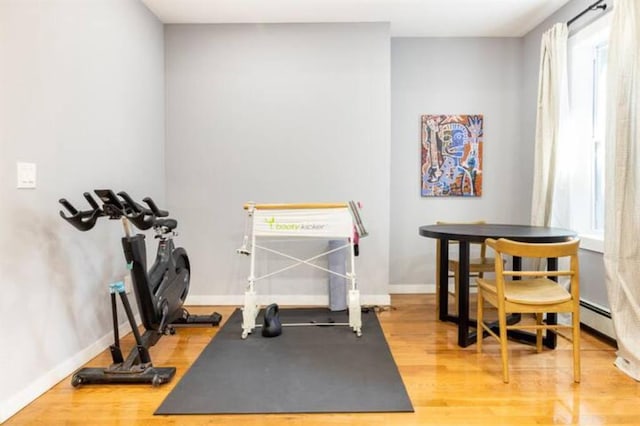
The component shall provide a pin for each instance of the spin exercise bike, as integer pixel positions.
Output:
(160, 291)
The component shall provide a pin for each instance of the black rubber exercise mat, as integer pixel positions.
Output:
(307, 369)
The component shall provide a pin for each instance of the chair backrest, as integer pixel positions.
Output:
(507, 248)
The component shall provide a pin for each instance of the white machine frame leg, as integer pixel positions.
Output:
(355, 312)
(249, 312)
(251, 308)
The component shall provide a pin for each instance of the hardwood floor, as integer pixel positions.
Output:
(448, 385)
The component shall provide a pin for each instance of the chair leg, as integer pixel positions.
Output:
(479, 315)
(575, 318)
(504, 353)
(539, 333)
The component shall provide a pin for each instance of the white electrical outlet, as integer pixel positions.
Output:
(127, 283)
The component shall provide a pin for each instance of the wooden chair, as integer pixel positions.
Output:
(531, 291)
(478, 266)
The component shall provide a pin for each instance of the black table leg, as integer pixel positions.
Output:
(517, 265)
(521, 336)
(551, 338)
(464, 339)
(443, 280)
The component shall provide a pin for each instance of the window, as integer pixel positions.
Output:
(587, 63)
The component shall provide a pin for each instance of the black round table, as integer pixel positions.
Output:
(477, 233)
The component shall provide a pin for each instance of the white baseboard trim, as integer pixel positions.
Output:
(55, 375)
(282, 299)
(412, 289)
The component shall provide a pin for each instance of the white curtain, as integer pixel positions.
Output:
(622, 215)
(551, 118)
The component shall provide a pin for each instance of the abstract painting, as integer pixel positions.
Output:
(452, 155)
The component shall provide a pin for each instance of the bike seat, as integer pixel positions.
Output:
(170, 224)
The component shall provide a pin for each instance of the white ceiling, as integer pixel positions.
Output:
(408, 18)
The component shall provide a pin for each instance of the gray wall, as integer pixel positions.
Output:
(83, 98)
(592, 284)
(275, 113)
(454, 76)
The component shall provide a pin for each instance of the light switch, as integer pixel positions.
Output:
(26, 175)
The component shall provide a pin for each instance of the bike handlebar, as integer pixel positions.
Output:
(81, 219)
(133, 206)
(140, 216)
(154, 208)
(91, 201)
(69, 206)
(114, 206)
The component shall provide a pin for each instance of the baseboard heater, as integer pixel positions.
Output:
(597, 318)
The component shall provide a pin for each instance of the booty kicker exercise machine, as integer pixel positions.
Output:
(272, 222)
(160, 291)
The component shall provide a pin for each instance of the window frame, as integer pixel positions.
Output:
(582, 49)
